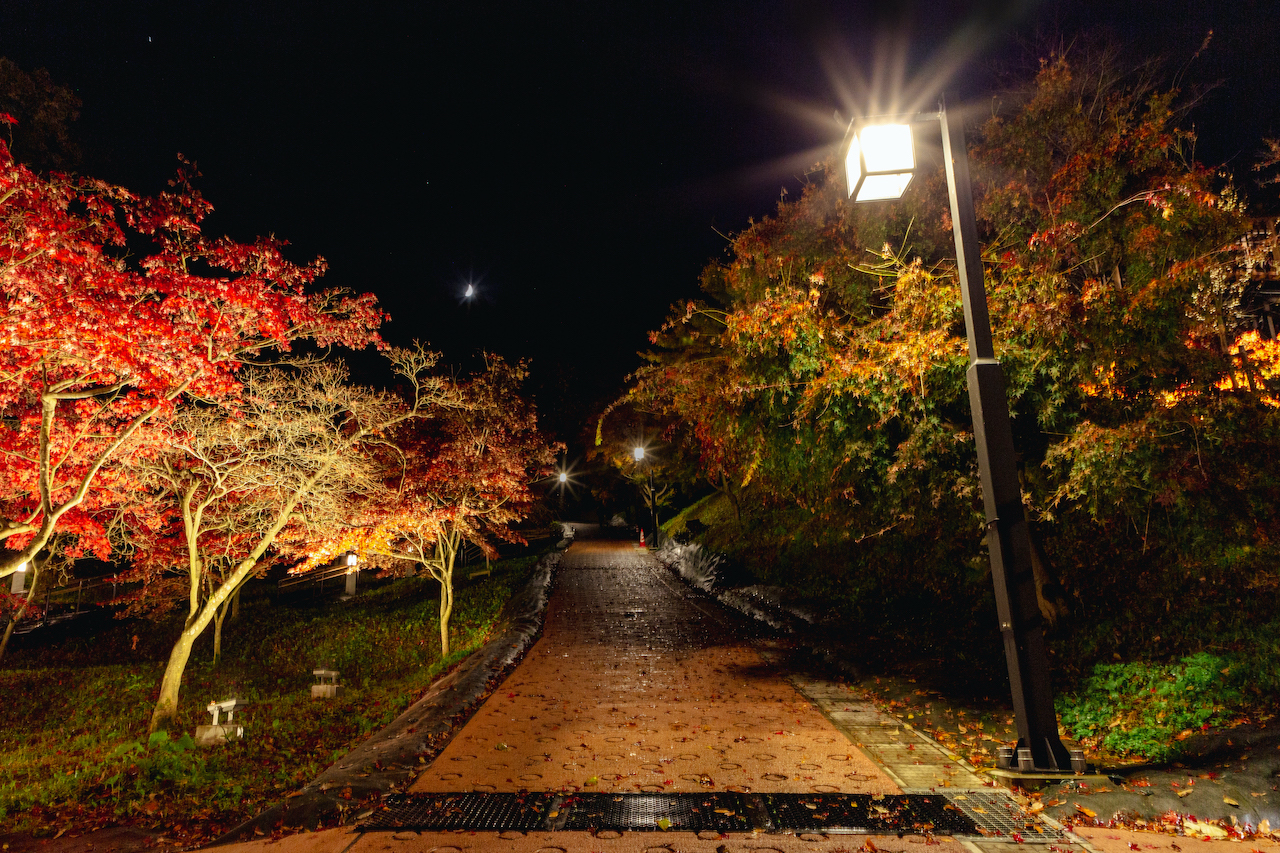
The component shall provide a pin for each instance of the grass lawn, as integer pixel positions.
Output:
(74, 753)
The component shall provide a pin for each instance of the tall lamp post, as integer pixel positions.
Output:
(879, 161)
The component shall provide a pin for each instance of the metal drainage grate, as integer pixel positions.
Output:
(969, 813)
(997, 815)
(526, 812)
(690, 812)
(864, 813)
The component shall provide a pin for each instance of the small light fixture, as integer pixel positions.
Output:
(351, 558)
(22, 567)
(638, 453)
(880, 162)
(564, 478)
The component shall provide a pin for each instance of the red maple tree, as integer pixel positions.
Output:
(96, 340)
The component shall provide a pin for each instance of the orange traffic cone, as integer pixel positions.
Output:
(641, 537)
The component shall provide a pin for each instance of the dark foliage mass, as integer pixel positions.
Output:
(818, 386)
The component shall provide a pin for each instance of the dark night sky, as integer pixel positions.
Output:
(573, 160)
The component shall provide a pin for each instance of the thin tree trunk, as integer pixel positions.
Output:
(166, 710)
(449, 552)
(218, 619)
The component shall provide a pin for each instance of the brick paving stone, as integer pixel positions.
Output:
(637, 685)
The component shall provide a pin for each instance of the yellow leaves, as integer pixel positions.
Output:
(1205, 830)
(1255, 361)
(1103, 384)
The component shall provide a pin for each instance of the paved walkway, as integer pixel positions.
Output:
(641, 685)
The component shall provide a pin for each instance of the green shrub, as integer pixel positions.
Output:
(1148, 709)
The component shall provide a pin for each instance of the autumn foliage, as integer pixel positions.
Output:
(820, 380)
(115, 309)
(154, 412)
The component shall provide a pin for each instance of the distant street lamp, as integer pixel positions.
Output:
(638, 453)
(879, 162)
(19, 583)
(350, 560)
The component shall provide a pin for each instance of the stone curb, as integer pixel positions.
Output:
(390, 759)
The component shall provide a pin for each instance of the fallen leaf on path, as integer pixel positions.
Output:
(664, 824)
(1208, 830)
(1186, 792)
(1230, 802)
(1089, 813)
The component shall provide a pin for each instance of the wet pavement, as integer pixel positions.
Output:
(643, 686)
(637, 686)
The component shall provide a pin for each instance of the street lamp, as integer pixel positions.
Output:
(19, 583)
(879, 162)
(638, 454)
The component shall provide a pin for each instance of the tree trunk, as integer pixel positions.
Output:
(1049, 593)
(446, 594)
(166, 710)
(446, 607)
(218, 619)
